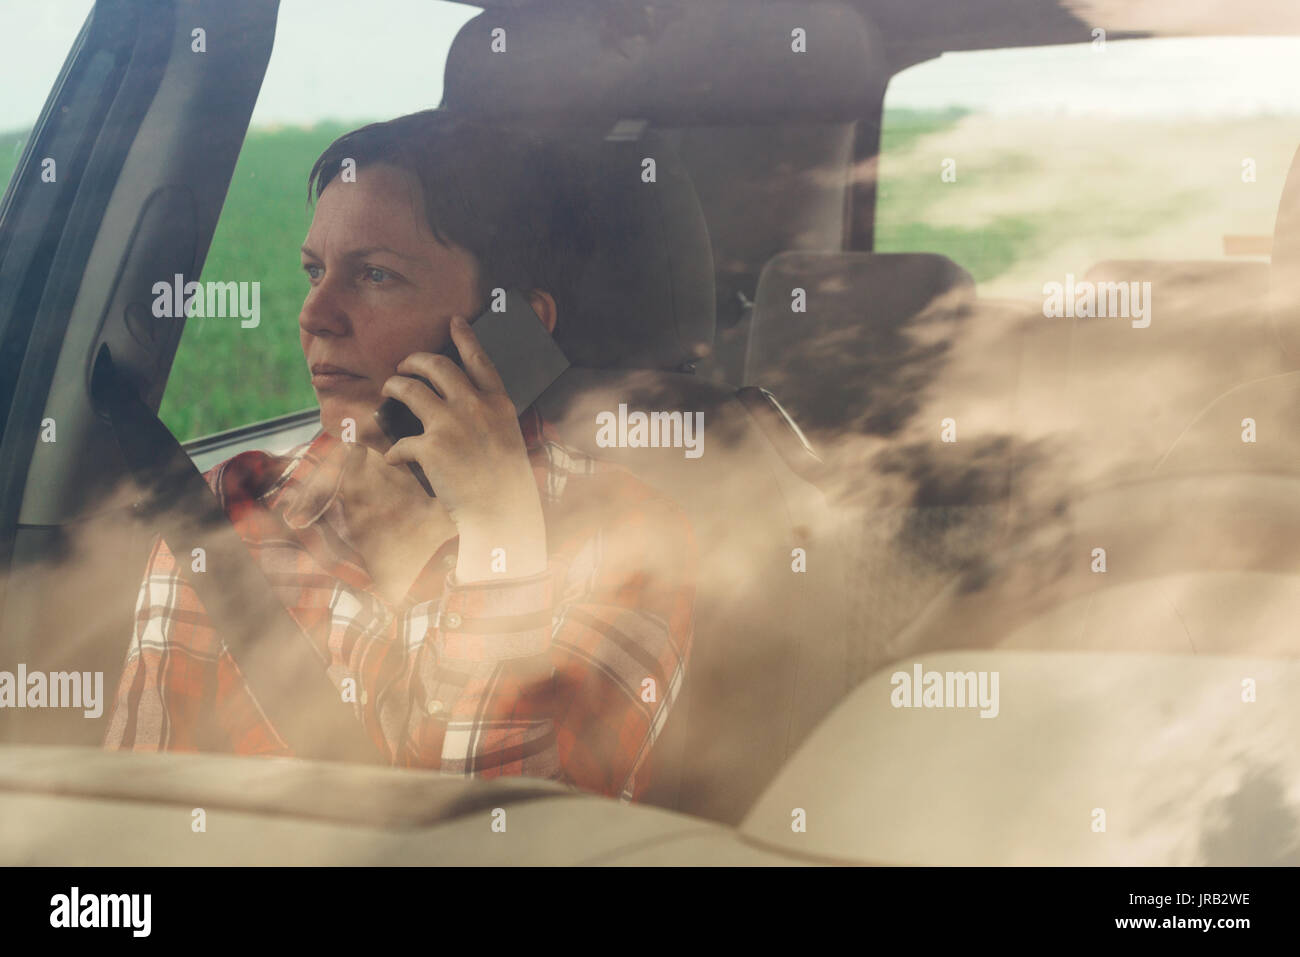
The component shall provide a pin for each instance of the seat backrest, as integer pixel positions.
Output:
(873, 354)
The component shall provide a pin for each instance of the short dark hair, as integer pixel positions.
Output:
(511, 198)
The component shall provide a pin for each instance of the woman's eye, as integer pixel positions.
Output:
(311, 272)
(375, 275)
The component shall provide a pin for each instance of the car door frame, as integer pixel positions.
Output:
(144, 125)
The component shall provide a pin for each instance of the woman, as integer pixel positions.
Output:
(535, 616)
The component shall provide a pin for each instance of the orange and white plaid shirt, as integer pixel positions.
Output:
(568, 675)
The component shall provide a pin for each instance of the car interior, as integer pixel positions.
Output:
(824, 422)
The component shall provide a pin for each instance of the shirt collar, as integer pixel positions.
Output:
(312, 479)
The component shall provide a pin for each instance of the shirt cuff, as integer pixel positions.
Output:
(493, 620)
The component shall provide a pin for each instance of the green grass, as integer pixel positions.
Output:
(1005, 215)
(11, 146)
(910, 188)
(900, 128)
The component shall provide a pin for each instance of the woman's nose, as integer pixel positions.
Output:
(322, 314)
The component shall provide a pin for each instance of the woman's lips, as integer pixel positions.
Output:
(329, 377)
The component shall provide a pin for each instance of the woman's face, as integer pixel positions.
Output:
(381, 288)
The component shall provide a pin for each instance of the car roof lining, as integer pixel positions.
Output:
(916, 30)
(684, 66)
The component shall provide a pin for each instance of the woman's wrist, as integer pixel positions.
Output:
(511, 544)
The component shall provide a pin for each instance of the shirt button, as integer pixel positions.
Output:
(451, 620)
(435, 707)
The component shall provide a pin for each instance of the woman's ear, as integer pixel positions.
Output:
(544, 305)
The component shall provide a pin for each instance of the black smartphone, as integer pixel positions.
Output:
(525, 356)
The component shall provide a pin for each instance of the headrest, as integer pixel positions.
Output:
(831, 355)
(673, 64)
(1284, 270)
(645, 299)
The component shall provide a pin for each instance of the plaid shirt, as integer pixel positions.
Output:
(579, 699)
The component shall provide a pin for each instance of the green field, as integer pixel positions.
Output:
(905, 196)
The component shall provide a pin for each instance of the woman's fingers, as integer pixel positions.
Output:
(422, 400)
(470, 424)
(478, 367)
(447, 378)
(403, 451)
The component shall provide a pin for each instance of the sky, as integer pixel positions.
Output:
(384, 57)
(1189, 76)
(340, 59)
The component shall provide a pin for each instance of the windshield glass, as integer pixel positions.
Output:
(606, 404)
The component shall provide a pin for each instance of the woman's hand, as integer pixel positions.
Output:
(474, 457)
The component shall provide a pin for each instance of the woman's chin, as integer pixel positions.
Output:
(348, 421)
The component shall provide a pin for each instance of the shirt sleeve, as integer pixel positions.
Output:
(571, 674)
(180, 689)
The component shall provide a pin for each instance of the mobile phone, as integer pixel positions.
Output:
(526, 357)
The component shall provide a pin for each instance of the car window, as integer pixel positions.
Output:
(1172, 149)
(235, 369)
(30, 68)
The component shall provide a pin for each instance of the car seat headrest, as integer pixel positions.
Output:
(836, 336)
(645, 299)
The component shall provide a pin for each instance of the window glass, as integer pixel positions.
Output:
(1135, 149)
(29, 69)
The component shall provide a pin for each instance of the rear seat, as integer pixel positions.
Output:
(891, 345)
(1047, 409)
